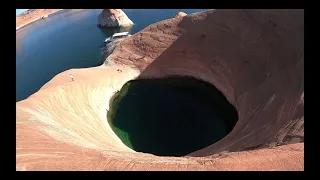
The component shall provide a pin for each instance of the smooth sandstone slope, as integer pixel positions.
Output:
(255, 57)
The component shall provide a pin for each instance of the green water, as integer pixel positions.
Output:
(170, 117)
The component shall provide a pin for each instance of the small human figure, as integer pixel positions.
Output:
(72, 78)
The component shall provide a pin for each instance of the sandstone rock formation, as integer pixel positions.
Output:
(180, 14)
(113, 18)
(255, 57)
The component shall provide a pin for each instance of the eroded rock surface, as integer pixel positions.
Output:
(255, 57)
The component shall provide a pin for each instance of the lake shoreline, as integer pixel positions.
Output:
(33, 15)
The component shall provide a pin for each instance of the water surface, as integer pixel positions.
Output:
(69, 39)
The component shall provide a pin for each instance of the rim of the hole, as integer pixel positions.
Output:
(192, 78)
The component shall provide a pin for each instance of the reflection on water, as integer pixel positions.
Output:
(108, 31)
(69, 39)
(19, 48)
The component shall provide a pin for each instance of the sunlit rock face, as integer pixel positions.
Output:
(113, 18)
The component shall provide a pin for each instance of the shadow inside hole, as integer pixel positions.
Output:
(172, 116)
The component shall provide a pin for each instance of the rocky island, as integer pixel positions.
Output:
(113, 18)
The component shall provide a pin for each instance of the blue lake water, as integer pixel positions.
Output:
(69, 39)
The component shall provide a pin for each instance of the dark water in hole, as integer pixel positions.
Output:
(69, 39)
(170, 117)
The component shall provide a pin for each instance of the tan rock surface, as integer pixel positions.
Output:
(255, 57)
(180, 14)
(113, 18)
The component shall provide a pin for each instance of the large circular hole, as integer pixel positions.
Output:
(172, 116)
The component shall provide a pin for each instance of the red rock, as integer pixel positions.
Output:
(255, 57)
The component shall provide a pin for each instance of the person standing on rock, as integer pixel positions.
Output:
(72, 78)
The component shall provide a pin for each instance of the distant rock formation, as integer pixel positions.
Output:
(113, 18)
(180, 14)
(32, 15)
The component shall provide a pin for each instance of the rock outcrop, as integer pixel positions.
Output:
(254, 57)
(113, 18)
(180, 14)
